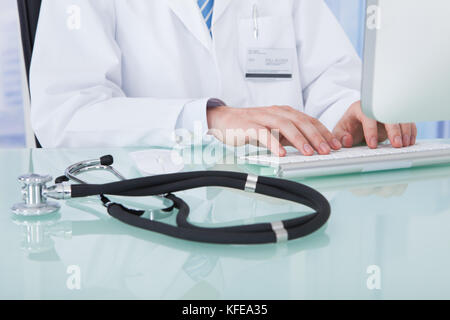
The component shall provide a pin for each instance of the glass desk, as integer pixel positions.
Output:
(396, 223)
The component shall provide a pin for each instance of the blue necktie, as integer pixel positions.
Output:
(206, 7)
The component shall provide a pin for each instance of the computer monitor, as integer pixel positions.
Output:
(406, 74)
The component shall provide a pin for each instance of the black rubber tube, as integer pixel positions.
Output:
(248, 234)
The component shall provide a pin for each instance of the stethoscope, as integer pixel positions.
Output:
(35, 194)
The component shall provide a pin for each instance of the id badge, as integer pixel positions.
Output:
(269, 64)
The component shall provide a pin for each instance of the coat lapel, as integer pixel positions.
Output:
(188, 12)
(220, 6)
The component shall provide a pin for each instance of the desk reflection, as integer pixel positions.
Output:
(396, 220)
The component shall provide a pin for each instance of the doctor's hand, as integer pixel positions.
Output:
(355, 128)
(272, 127)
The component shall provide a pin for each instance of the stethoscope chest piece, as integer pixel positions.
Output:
(35, 202)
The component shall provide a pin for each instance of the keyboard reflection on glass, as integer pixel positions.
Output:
(357, 159)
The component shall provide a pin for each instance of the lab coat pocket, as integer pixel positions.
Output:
(265, 33)
(276, 81)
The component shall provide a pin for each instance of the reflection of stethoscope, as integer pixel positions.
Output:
(36, 192)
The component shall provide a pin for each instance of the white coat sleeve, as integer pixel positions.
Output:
(75, 83)
(330, 68)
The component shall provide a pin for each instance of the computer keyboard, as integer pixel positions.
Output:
(356, 159)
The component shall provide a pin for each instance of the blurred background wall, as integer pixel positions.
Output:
(11, 114)
(349, 12)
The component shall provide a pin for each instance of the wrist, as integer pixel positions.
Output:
(213, 114)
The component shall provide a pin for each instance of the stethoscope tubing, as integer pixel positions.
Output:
(248, 234)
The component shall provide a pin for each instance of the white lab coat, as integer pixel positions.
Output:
(129, 73)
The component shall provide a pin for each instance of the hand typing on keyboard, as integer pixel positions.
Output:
(280, 126)
(355, 128)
